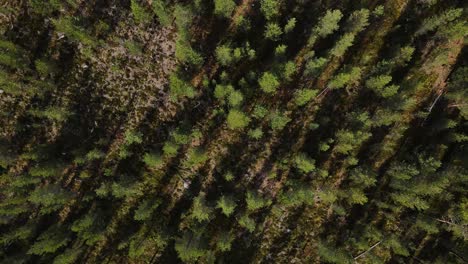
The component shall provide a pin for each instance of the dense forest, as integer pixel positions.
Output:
(233, 131)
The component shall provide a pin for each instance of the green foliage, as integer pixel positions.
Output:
(346, 140)
(170, 149)
(224, 8)
(333, 255)
(268, 82)
(140, 14)
(256, 133)
(95, 154)
(125, 189)
(70, 256)
(49, 241)
(134, 47)
(180, 88)
(190, 247)
(380, 85)
(255, 201)
(270, 8)
(303, 96)
(195, 157)
(273, 31)
(378, 82)
(133, 137)
(44, 7)
(229, 176)
(224, 241)
(185, 53)
(298, 194)
(52, 197)
(237, 119)
(248, 223)
(314, 66)
(345, 78)
(68, 25)
(279, 120)
(304, 163)
(47, 170)
(153, 160)
(342, 45)
(53, 113)
(432, 23)
(145, 209)
(224, 55)
(357, 21)
(17, 234)
(456, 91)
(379, 10)
(259, 111)
(161, 11)
(397, 247)
(235, 98)
(289, 70)
(223, 91)
(328, 23)
(44, 67)
(290, 25)
(226, 204)
(200, 211)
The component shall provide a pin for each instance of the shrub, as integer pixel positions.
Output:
(226, 204)
(95, 154)
(328, 23)
(153, 160)
(235, 98)
(345, 78)
(222, 91)
(270, 8)
(268, 82)
(229, 176)
(160, 9)
(189, 248)
(357, 21)
(224, 8)
(279, 120)
(290, 25)
(314, 66)
(52, 197)
(179, 88)
(132, 137)
(289, 70)
(185, 53)
(196, 156)
(432, 23)
(255, 202)
(378, 82)
(304, 163)
(224, 55)
(259, 111)
(342, 45)
(303, 96)
(139, 13)
(49, 241)
(255, 133)
(273, 31)
(237, 119)
(200, 211)
(247, 222)
(170, 149)
(223, 243)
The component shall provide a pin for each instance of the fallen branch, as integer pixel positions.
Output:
(365, 252)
